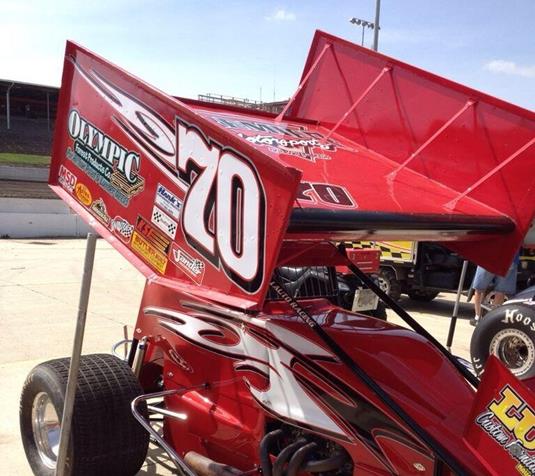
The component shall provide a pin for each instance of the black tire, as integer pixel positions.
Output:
(379, 313)
(105, 437)
(422, 296)
(389, 283)
(508, 332)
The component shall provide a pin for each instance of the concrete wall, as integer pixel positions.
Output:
(25, 174)
(38, 218)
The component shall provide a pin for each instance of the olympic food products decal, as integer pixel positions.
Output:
(181, 195)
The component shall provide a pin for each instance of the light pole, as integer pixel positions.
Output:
(377, 27)
(368, 24)
(365, 24)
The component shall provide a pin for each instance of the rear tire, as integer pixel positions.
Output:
(422, 296)
(105, 437)
(508, 332)
(389, 283)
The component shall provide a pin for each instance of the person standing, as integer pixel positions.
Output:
(504, 285)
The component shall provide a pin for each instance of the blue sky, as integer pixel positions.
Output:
(243, 47)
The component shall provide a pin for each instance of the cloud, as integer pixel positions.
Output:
(510, 67)
(281, 15)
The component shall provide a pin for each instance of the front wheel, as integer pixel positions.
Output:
(105, 437)
(507, 332)
(389, 283)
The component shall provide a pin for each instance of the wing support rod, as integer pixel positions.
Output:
(489, 174)
(280, 117)
(386, 69)
(429, 141)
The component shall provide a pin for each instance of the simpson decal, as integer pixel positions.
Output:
(192, 267)
(67, 179)
(148, 252)
(167, 200)
(100, 211)
(510, 422)
(108, 163)
(164, 222)
(122, 228)
(83, 194)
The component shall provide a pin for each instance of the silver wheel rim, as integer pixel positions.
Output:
(515, 349)
(46, 428)
(383, 284)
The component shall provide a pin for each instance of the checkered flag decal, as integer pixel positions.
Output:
(171, 227)
(127, 231)
(164, 222)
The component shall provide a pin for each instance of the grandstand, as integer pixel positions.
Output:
(27, 116)
(28, 113)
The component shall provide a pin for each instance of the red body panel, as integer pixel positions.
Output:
(227, 415)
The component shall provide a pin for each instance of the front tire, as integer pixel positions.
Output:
(105, 437)
(508, 332)
(389, 284)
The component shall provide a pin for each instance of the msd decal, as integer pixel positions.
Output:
(510, 422)
(67, 179)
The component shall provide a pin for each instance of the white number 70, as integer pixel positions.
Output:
(224, 211)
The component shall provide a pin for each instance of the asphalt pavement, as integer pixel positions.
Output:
(39, 290)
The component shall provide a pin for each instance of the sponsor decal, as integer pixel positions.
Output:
(164, 222)
(510, 422)
(108, 163)
(192, 267)
(67, 179)
(83, 194)
(287, 139)
(326, 194)
(154, 236)
(167, 200)
(122, 228)
(100, 211)
(514, 315)
(148, 252)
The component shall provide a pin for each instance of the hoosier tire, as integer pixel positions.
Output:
(508, 332)
(105, 437)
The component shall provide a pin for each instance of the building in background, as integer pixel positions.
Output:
(27, 117)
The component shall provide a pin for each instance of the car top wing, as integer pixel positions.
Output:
(185, 201)
(429, 150)
(202, 197)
